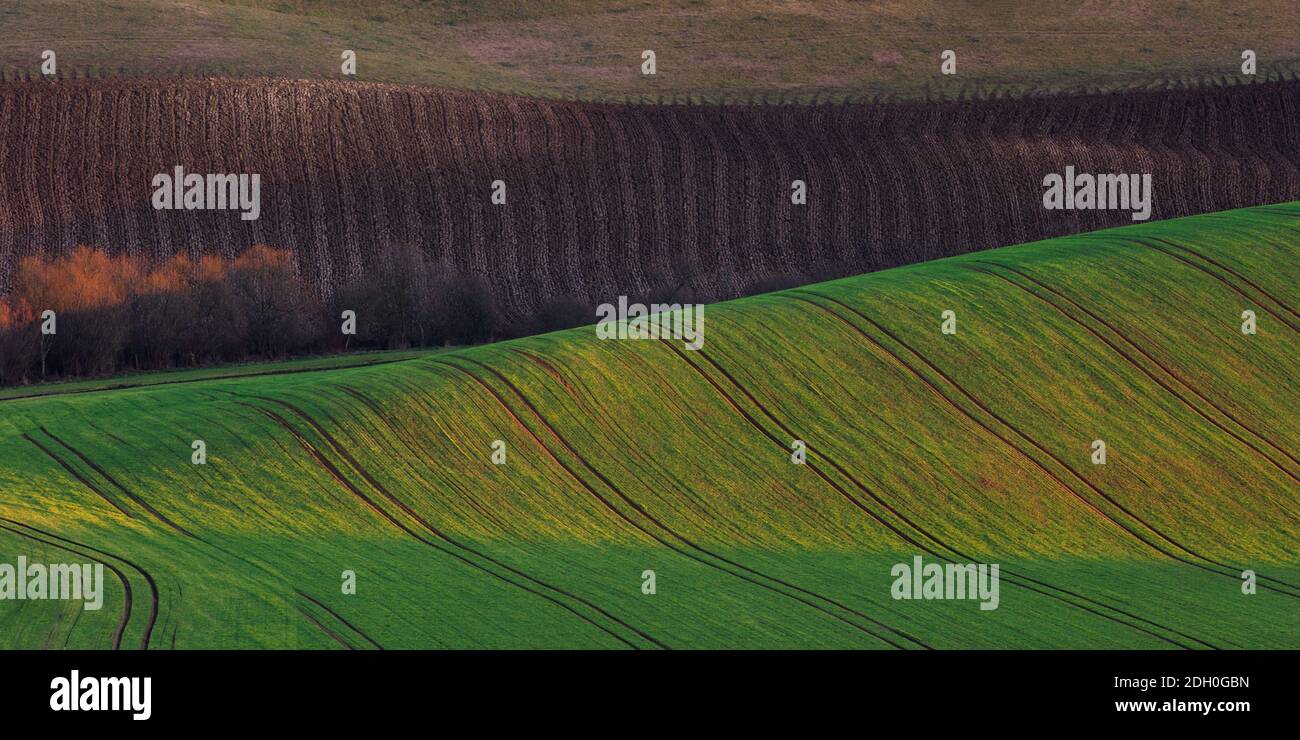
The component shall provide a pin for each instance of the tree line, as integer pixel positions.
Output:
(90, 313)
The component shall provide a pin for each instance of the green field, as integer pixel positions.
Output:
(627, 456)
(707, 50)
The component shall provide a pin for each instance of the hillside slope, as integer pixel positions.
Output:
(628, 456)
(608, 200)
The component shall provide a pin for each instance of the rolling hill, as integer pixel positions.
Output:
(630, 456)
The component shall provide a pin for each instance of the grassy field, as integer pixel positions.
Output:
(628, 456)
(706, 50)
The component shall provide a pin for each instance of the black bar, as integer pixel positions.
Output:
(977, 689)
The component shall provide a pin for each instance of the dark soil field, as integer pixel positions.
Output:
(610, 199)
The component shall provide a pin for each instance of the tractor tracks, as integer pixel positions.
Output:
(1187, 257)
(153, 587)
(1187, 386)
(78, 548)
(413, 445)
(105, 475)
(443, 543)
(1162, 383)
(1057, 593)
(1197, 561)
(329, 632)
(76, 474)
(665, 535)
(340, 618)
(1247, 281)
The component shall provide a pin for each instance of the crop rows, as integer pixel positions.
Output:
(607, 199)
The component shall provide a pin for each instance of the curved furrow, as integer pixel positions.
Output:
(204, 379)
(801, 221)
(441, 159)
(598, 259)
(33, 198)
(1154, 244)
(620, 436)
(218, 155)
(307, 137)
(64, 226)
(490, 517)
(151, 139)
(92, 185)
(9, 190)
(533, 257)
(628, 202)
(376, 173)
(1144, 369)
(339, 617)
(494, 131)
(976, 216)
(250, 147)
(76, 474)
(663, 235)
(342, 186)
(737, 145)
(717, 250)
(687, 547)
(1230, 271)
(1028, 583)
(162, 518)
(126, 584)
(419, 452)
(331, 633)
(402, 111)
(294, 201)
(152, 620)
(560, 265)
(451, 546)
(323, 194)
(1041, 448)
(690, 251)
(934, 143)
(129, 107)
